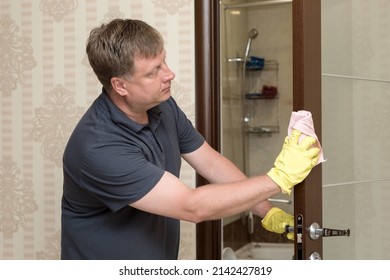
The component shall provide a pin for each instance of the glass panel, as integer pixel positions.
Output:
(256, 75)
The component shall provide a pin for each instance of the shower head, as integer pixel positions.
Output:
(252, 35)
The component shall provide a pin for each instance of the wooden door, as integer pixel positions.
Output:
(306, 96)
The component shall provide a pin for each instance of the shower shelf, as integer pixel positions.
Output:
(266, 129)
(268, 92)
(268, 65)
(261, 100)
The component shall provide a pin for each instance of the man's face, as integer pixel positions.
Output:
(150, 83)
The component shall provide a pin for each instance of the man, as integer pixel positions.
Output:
(122, 195)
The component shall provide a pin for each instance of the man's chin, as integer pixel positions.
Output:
(166, 95)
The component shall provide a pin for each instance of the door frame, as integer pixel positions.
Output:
(207, 115)
(306, 96)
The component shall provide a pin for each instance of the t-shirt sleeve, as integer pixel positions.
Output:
(189, 138)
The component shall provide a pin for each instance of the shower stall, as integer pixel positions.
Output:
(256, 100)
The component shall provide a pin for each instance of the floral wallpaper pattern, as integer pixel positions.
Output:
(46, 84)
(52, 248)
(54, 122)
(17, 197)
(171, 6)
(15, 55)
(57, 9)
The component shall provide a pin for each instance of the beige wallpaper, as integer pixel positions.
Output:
(46, 85)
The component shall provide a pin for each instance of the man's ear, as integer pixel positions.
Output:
(119, 86)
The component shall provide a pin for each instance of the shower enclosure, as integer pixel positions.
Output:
(256, 100)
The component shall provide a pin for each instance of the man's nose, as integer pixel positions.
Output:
(168, 75)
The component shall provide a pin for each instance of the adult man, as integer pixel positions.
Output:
(122, 196)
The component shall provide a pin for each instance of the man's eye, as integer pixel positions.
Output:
(155, 71)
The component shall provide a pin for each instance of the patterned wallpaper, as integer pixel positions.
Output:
(46, 85)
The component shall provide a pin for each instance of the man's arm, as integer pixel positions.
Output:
(229, 193)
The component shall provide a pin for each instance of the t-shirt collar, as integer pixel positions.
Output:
(119, 117)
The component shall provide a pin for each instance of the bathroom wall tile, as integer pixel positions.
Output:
(236, 234)
(232, 143)
(234, 31)
(365, 211)
(355, 38)
(336, 37)
(274, 43)
(355, 43)
(337, 130)
(370, 39)
(371, 131)
(355, 130)
(339, 212)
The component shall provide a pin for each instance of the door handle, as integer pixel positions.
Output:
(316, 231)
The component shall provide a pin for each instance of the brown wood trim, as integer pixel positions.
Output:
(307, 96)
(207, 95)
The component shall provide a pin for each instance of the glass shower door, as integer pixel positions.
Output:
(256, 99)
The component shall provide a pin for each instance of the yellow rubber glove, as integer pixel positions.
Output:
(276, 220)
(294, 162)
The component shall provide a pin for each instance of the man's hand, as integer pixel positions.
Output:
(294, 162)
(277, 220)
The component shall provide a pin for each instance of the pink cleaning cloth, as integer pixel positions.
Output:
(303, 121)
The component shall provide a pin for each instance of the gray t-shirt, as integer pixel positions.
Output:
(110, 162)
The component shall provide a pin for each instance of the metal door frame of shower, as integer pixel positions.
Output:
(307, 96)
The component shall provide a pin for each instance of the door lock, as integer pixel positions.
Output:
(316, 231)
(315, 256)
